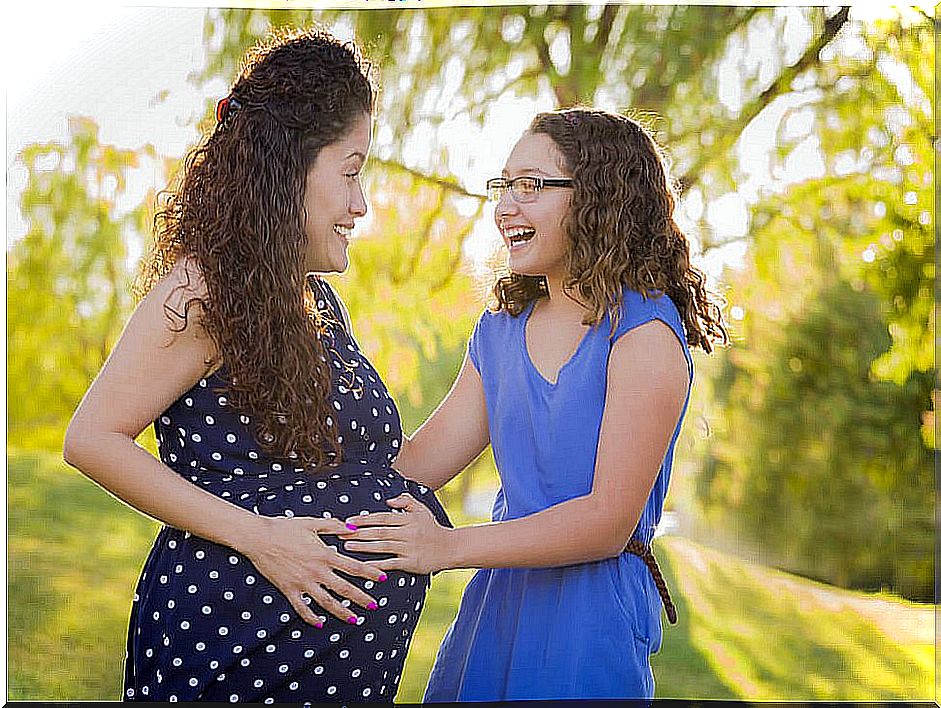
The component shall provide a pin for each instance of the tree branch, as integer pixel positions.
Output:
(605, 24)
(707, 246)
(533, 73)
(925, 15)
(810, 58)
(446, 183)
(780, 86)
(745, 19)
(542, 51)
(418, 244)
(457, 253)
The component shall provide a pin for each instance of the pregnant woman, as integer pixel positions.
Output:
(272, 425)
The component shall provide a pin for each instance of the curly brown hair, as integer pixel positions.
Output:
(237, 213)
(619, 228)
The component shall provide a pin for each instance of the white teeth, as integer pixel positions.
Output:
(344, 231)
(518, 234)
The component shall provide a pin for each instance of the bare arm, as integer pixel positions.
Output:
(452, 437)
(648, 381)
(151, 367)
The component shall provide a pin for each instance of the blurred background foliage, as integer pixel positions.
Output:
(809, 442)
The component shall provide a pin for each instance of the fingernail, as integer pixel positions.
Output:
(318, 625)
(352, 619)
(372, 606)
(383, 578)
(352, 527)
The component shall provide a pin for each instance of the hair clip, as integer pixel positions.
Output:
(226, 107)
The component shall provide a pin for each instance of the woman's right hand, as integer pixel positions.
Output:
(291, 554)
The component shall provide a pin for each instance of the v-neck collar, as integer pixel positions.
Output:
(529, 360)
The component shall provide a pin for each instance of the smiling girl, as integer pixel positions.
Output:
(579, 378)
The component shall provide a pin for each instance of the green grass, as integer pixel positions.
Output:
(73, 556)
(745, 631)
(748, 631)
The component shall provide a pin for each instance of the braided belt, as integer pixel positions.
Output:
(643, 551)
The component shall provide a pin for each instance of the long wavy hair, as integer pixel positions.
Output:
(237, 211)
(619, 227)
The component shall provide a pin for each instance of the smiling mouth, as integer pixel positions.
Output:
(519, 236)
(343, 231)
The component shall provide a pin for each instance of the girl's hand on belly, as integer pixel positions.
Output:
(415, 539)
(290, 553)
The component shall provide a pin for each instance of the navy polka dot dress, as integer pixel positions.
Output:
(205, 624)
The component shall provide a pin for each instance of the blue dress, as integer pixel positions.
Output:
(579, 631)
(205, 624)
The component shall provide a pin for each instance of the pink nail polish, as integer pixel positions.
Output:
(352, 527)
(383, 578)
(353, 619)
(319, 625)
(372, 606)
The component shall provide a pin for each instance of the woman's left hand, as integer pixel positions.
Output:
(413, 536)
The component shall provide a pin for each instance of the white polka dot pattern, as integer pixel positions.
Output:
(205, 625)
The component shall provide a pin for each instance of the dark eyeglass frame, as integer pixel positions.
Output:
(539, 183)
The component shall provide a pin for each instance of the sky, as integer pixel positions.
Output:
(110, 64)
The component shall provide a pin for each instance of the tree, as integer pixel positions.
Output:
(820, 454)
(67, 278)
(663, 62)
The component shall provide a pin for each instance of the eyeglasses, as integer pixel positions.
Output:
(523, 189)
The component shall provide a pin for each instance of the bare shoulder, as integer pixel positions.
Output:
(179, 296)
(185, 281)
(651, 352)
(173, 310)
